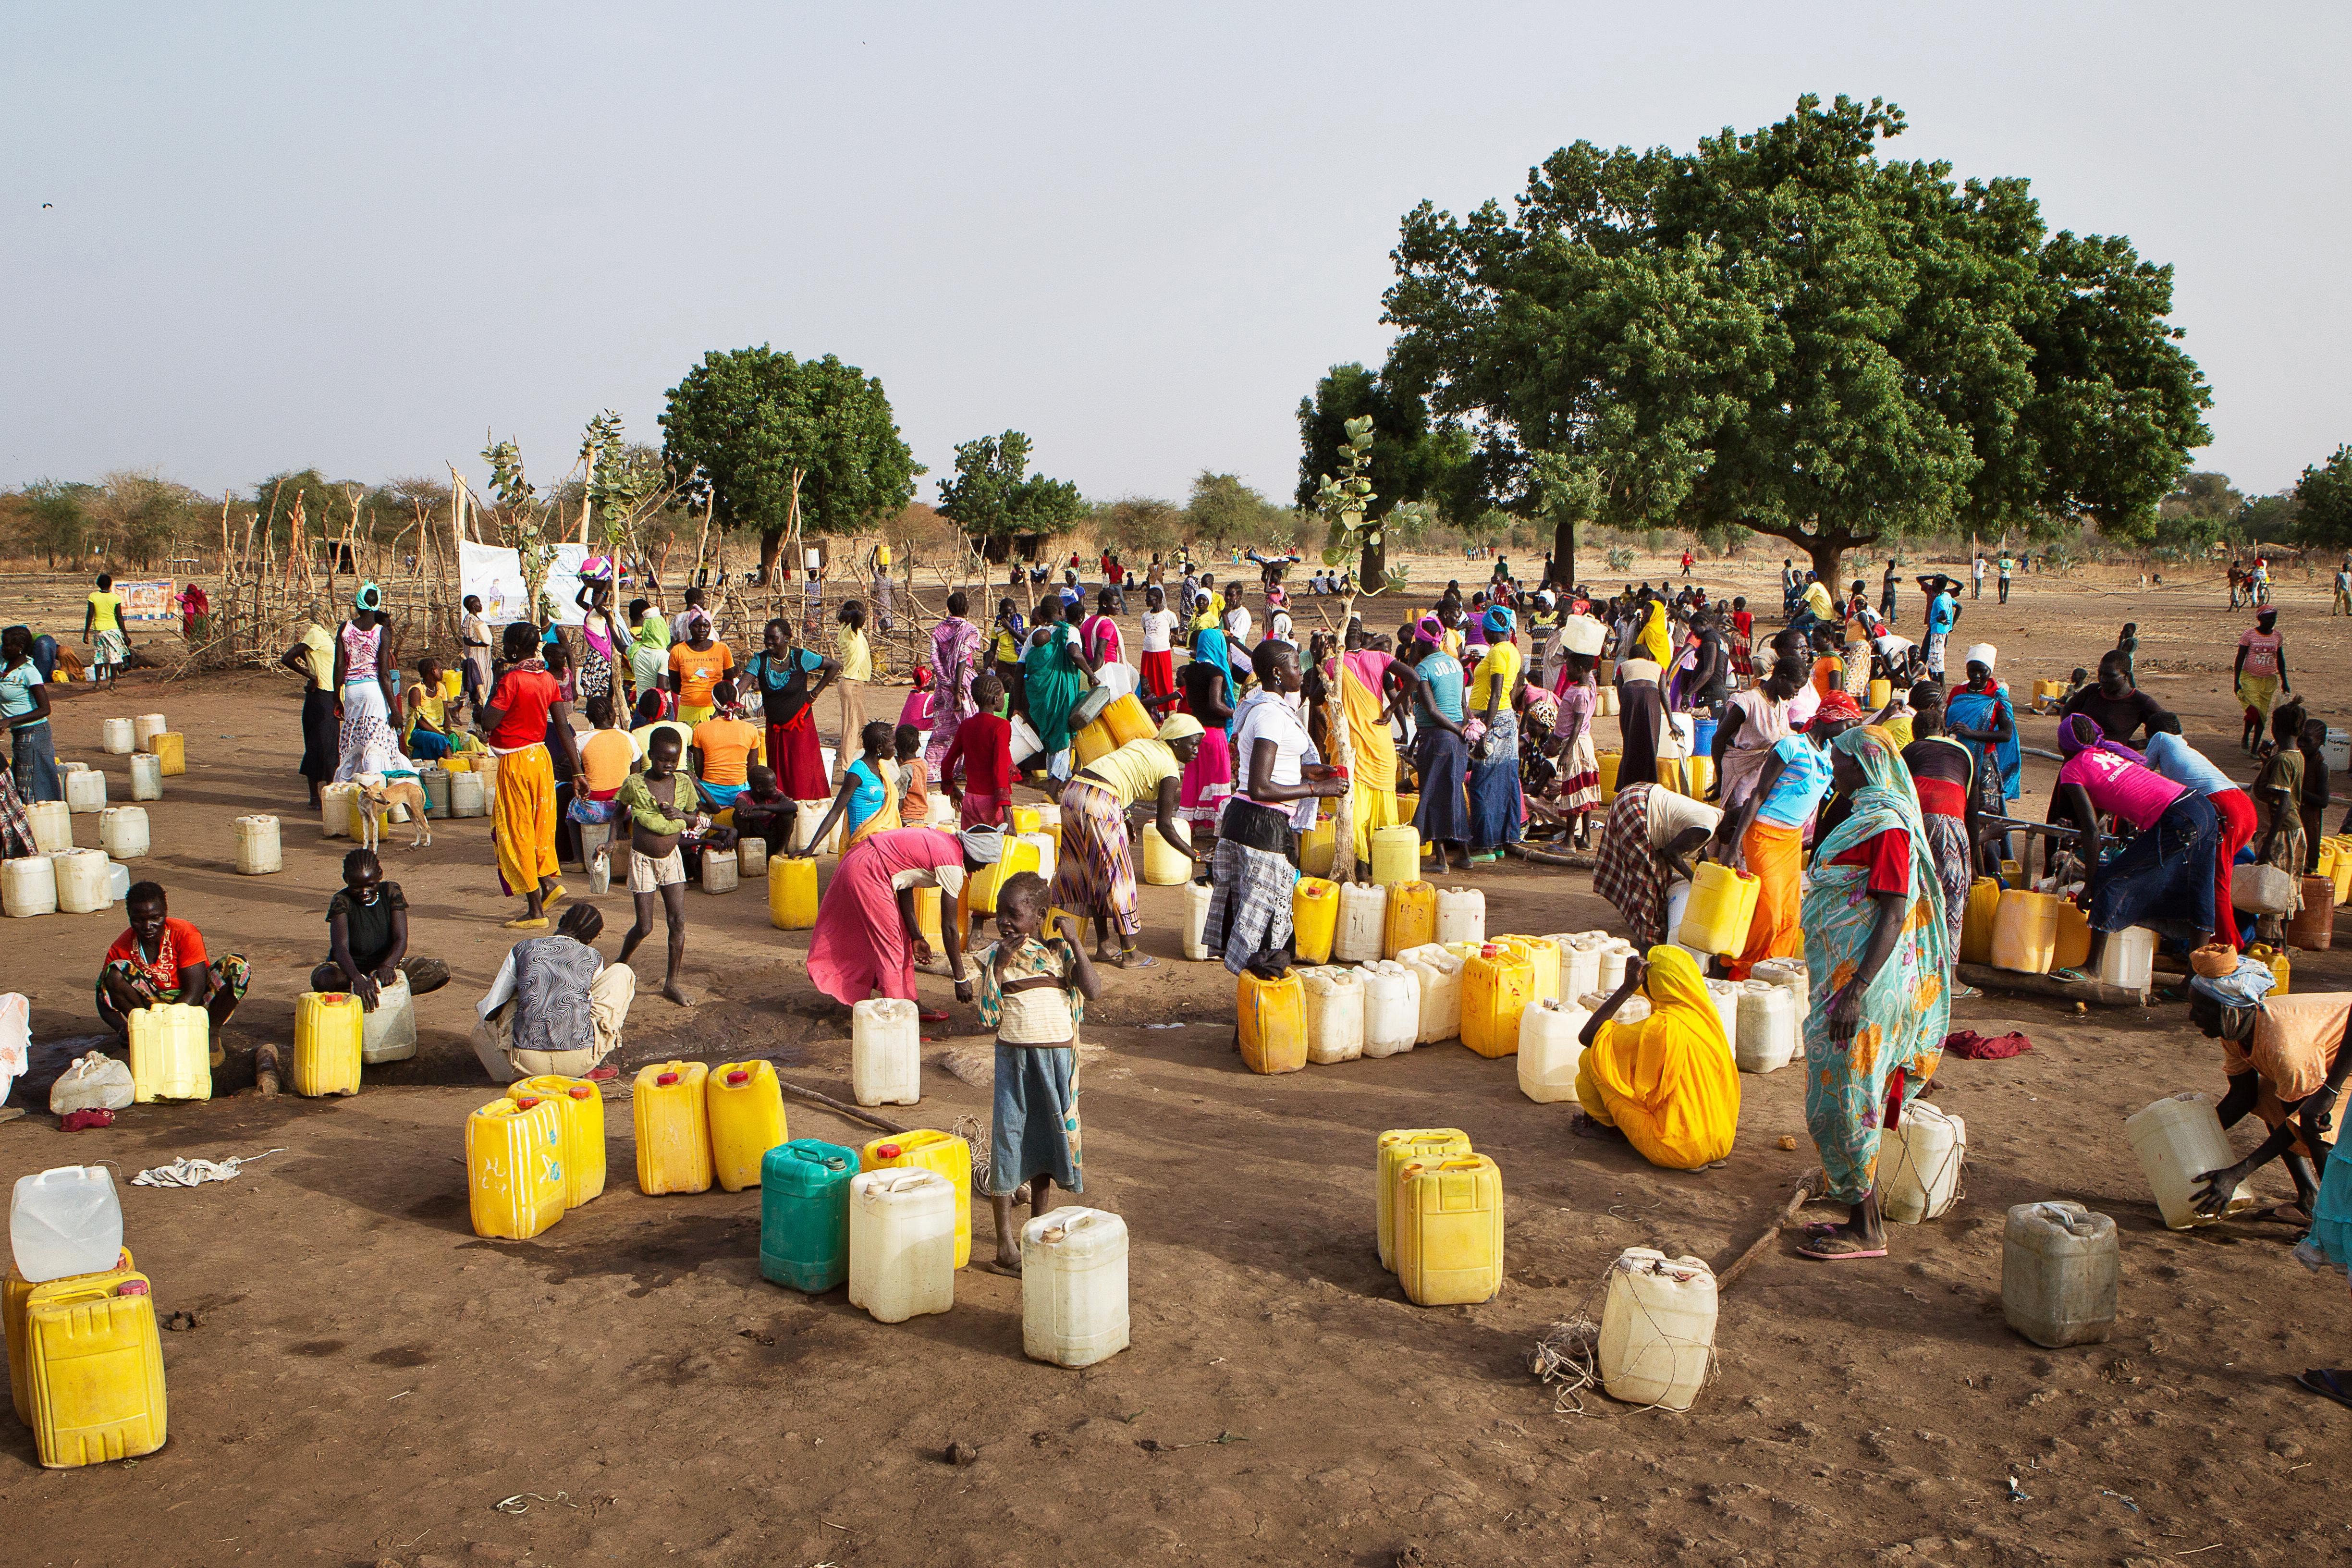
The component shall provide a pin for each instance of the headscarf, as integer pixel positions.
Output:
(1429, 629)
(1654, 637)
(653, 629)
(1835, 705)
(984, 844)
(1499, 621)
(1178, 727)
(1543, 705)
(2081, 732)
(1677, 992)
(1982, 653)
(696, 618)
(922, 678)
(369, 597)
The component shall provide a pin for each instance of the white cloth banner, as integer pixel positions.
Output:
(494, 574)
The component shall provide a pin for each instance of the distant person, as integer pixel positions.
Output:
(1976, 572)
(2004, 576)
(101, 629)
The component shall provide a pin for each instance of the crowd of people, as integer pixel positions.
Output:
(1834, 760)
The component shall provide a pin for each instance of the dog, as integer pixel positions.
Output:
(378, 795)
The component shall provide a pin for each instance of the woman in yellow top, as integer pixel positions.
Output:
(101, 627)
(1095, 871)
(1495, 757)
(313, 659)
(1667, 1084)
(856, 657)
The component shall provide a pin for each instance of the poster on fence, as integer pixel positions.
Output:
(494, 575)
(148, 601)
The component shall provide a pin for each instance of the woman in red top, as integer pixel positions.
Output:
(160, 959)
(524, 708)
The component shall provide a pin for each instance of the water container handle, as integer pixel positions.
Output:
(2076, 1224)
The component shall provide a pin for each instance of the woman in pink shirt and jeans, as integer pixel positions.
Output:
(2164, 875)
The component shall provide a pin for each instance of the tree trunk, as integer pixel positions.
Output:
(1563, 554)
(1372, 571)
(771, 545)
(1828, 554)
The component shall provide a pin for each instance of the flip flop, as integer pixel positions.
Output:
(1136, 961)
(1848, 1252)
(539, 924)
(548, 902)
(2323, 1381)
(601, 1075)
(932, 1017)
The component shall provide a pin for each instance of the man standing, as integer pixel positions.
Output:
(1886, 591)
(2342, 590)
(1976, 572)
(2005, 564)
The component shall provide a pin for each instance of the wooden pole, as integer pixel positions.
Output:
(1780, 1222)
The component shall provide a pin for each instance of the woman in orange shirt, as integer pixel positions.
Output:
(696, 665)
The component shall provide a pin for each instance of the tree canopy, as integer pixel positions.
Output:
(993, 496)
(1779, 331)
(1224, 511)
(1412, 459)
(2325, 497)
(765, 438)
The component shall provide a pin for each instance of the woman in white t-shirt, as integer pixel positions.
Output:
(1158, 644)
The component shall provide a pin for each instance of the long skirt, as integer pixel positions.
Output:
(1495, 786)
(799, 760)
(1854, 1090)
(16, 825)
(1442, 759)
(34, 753)
(1034, 1130)
(1625, 871)
(1776, 855)
(1948, 839)
(1208, 780)
(522, 819)
(1095, 871)
(322, 741)
(367, 726)
(2165, 873)
(860, 947)
(2238, 825)
(1250, 888)
(1159, 673)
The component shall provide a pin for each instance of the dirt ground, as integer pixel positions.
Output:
(367, 1382)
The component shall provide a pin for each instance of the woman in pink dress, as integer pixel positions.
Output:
(867, 941)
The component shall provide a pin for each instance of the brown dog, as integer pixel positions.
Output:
(378, 795)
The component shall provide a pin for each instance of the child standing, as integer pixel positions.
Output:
(914, 776)
(2128, 645)
(1033, 992)
(983, 748)
(856, 657)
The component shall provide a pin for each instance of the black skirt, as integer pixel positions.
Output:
(322, 736)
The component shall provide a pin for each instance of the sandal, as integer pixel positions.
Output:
(1837, 1248)
(931, 1017)
(1135, 960)
(2325, 1382)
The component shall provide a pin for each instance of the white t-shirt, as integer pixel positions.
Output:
(1159, 626)
(1264, 717)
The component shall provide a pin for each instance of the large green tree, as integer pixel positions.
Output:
(995, 500)
(1412, 458)
(1224, 510)
(1779, 332)
(2324, 497)
(769, 441)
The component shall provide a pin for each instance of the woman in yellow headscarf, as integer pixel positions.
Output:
(1656, 639)
(1667, 1083)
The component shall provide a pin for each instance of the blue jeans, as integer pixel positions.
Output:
(2165, 875)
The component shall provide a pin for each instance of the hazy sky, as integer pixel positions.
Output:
(360, 235)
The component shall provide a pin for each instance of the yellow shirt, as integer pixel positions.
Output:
(606, 757)
(1134, 771)
(106, 611)
(1817, 599)
(321, 658)
(856, 656)
(1502, 663)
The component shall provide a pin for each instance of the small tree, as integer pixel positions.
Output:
(781, 445)
(1224, 511)
(60, 517)
(995, 499)
(1353, 541)
(522, 520)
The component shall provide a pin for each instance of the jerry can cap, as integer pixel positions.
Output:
(1488, 950)
(526, 1102)
(131, 1288)
(666, 1078)
(741, 1075)
(580, 1091)
(888, 1151)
